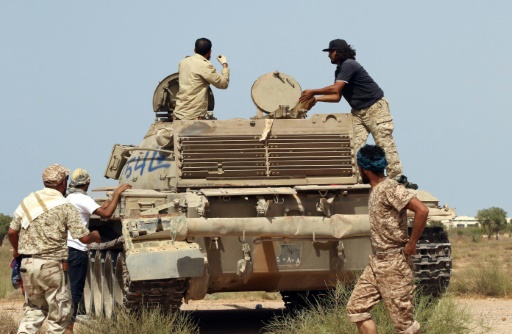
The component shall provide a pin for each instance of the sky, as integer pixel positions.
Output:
(78, 77)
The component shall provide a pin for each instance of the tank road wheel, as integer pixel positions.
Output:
(433, 261)
(88, 289)
(118, 281)
(97, 283)
(297, 300)
(108, 284)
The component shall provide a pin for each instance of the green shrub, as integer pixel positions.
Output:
(476, 234)
(329, 316)
(151, 321)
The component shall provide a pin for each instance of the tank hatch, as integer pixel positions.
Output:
(276, 95)
(164, 98)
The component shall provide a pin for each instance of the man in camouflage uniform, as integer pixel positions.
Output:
(38, 232)
(370, 109)
(388, 276)
(196, 73)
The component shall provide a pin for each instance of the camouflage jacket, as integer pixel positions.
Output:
(388, 215)
(46, 236)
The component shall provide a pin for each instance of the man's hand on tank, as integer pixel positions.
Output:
(410, 249)
(306, 95)
(222, 59)
(312, 103)
(122, 188)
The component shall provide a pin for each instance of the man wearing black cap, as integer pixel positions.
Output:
(370, 109)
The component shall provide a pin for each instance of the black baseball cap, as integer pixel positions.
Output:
(336, 44)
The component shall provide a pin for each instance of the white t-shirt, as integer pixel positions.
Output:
(86, 206)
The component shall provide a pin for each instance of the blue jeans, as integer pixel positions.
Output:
(77, 273)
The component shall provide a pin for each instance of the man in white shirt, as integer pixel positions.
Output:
(196, 73)
(77, 195)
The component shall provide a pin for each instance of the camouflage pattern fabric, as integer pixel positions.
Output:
(388, 216)
(47, 296)
(54, 174)
(47, 234)
(388, 276)
(79, 177)
(377, 120)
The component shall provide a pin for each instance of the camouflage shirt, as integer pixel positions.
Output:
(47, 234)
(388, 215)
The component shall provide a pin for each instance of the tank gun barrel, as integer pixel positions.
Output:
(337, 226)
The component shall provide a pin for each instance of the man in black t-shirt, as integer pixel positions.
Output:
(370, 109)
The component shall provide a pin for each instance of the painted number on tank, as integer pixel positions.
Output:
(156, 161)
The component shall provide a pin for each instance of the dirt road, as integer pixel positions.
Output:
(248, 317)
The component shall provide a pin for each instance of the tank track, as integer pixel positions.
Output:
(166, 294)
(433, 261)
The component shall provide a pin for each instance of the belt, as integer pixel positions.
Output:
(393, 251)
(39, 256)
(28, 256)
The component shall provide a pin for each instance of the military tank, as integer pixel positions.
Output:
(271, 203)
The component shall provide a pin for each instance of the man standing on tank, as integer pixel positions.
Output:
(370, 109)
(196, 73)
(388, 276)
(38, 233)
(77, 195)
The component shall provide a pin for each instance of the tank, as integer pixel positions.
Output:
(272, 203)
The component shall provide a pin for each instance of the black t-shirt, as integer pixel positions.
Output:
(361, 91)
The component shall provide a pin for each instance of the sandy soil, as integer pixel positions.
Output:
(252, 314)
(495, 312)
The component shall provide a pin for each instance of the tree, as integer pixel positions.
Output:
(4, 226)
(492, 220)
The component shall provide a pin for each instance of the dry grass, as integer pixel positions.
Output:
(146, 321)
(329, 316)
(482, 267)
(8, 325)
(6, 289)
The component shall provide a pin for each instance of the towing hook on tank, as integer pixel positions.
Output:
(244, 266)
(215, 242)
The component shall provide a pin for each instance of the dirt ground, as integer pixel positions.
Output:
(495, 312)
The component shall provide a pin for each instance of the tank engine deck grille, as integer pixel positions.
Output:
(279, 156)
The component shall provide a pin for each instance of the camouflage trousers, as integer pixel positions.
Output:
(388, 277)
(47, 296)
(377, 120)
